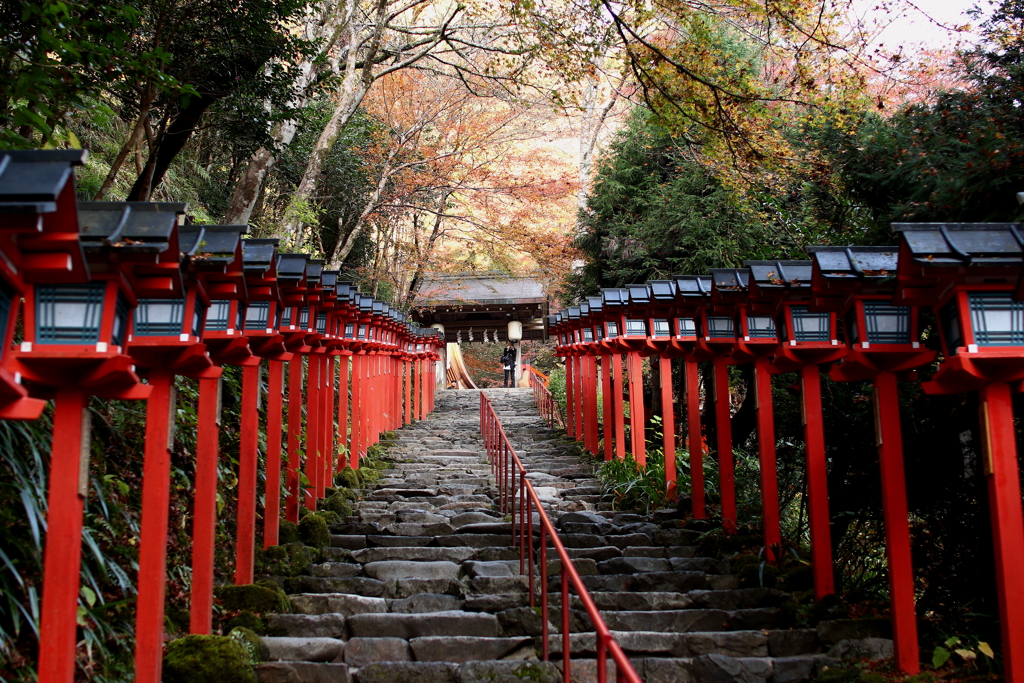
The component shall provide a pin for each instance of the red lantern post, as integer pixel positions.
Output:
(165, 339)
(663, 295)
(809, 340)
(971, 275)
(291, 276)
(221, 271)
(882, 340)
(264, 302)
(39, 242)
(756, 341)
(692, 292)
(74, 337)
(612, 302)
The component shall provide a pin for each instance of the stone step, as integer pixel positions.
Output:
(449, 672)
(422, 582)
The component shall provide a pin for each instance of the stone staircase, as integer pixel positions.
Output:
(423, 585)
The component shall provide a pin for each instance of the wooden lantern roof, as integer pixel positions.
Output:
(216, 258)
(38, 217)
(840, 273)
(260, 265)
(139, 240)
(936, 256)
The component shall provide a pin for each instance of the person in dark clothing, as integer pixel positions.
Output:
(508, 364)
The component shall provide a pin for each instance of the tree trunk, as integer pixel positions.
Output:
(168, 145)
(594, 117)
(435, 234)
(249, 185)
(359, 76)
(344, 247)
(133, 141)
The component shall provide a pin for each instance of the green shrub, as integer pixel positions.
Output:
(313, 531)
(633, 487)
(207, 659)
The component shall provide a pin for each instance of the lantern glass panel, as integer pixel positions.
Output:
(636, 328)
(159, 317)
(289, 312)
(720, 326)
(588, 334)
(997, 320)
(218, 316)
(686, 327)
(6, 298)
(304, 318)
(760, 326)
(810, 327)
(613, 328)
(257, 315)
(69, 314)
(350, 331)
(321, 323)
(661, 328)
(887, 324)
(599, 332)
(120, 321)
(363, 331)
(198, 316)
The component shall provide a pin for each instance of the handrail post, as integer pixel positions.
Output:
(529, 511)
(522, 521)
(544, 590)
(528, 502)
(566, 643)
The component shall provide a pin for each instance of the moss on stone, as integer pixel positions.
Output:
(276, 553)
(250, 597)
(287, 532)
(289, 560)
(348, 478)
(330, 517)
(250, 642)
(207, 659)
(284, 605)
(339, 505)
(850, 675)
(247, 619)
(313, 531)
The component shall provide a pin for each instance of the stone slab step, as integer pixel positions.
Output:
(647, 643)
(302, 672)
(408, 626)
(448, 672)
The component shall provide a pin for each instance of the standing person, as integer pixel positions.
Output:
(508, 363)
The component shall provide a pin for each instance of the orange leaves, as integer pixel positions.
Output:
(464, 181)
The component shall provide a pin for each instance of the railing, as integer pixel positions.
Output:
(549, 408)
(534, 371)
(506, 466)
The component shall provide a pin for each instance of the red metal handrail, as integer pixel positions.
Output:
(549, 408)
(505, 465)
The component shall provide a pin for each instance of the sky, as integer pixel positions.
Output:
(922, 22)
